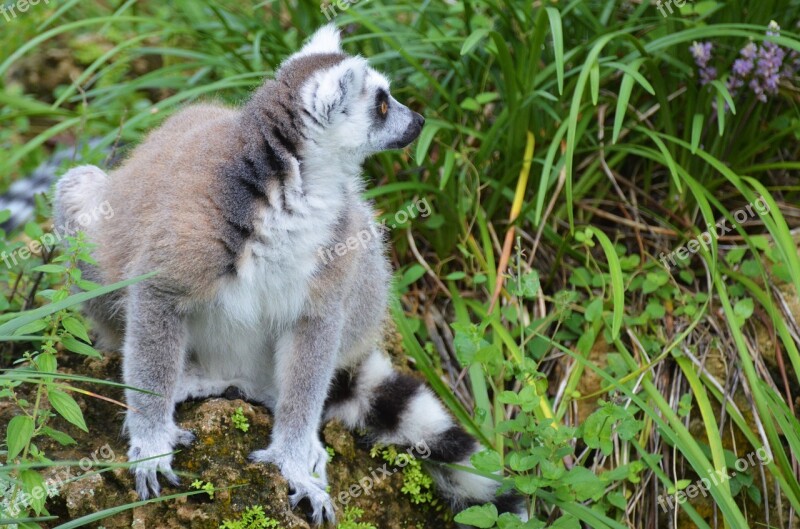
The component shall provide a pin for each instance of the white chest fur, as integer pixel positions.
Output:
(234, 335)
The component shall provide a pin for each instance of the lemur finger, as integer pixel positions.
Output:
(147, 482)
(171, 477)
(141, 486)
(329, 513)
(258, 456)
(324, 513)
(185, 438)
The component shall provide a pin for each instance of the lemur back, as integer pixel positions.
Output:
(232, 207)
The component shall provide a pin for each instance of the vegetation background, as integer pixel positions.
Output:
(570, 148)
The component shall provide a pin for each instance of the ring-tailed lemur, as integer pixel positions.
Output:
(231, 207)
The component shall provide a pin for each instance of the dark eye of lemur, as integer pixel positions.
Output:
(383, 104)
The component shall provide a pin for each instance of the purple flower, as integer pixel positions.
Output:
(707, 75)
(742, 67)
(769, 66)
(758, 90)
(760, 67)
(749, 52)
(701, 51)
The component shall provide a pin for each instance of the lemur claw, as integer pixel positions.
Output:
(185, 438)
(158, 458)
(302, 484)
(321, 504)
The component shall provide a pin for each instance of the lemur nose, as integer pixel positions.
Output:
(420, 119)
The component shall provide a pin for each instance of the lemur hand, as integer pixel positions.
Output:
(306, 475)
(154, 454)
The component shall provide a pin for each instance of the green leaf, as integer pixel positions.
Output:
(744, 308)
(484, 516)
(473, 40)
(655, 310)
(50, 269)
(735, 256)
(566, 521)
(594, 310)
(46, 363)
(34, 486)
(470, 104)
(425, 140)
(487, 461)
(594, 82)
(508, 520)
(557, 30)
(653, 281)
(75, 328)
(617, 499)
(626, 87)
(66, 406)
(617, 282)
(33, 230)
(527, 286)
(76, 346)
(58, 436)
(584, 483)
(413, 273)
(18, 435)
(697, 131)
(31, 328)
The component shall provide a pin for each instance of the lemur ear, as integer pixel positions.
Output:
(327, 39)
(330, 93)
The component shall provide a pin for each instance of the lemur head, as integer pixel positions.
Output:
(346, 105)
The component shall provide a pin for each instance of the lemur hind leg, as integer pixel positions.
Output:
(398, 409)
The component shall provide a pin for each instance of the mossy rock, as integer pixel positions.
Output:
(218, 456)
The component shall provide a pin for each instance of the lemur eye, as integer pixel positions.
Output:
(384, 108)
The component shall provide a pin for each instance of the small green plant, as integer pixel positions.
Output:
(252, 518)
(331, 453)
(417, 484)
(240, 422)
(351, 519)
(38, 368)
(207, 486)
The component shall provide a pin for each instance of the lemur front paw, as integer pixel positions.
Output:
(154, 455)
(306, 478)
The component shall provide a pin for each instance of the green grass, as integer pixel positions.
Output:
(630, 161)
